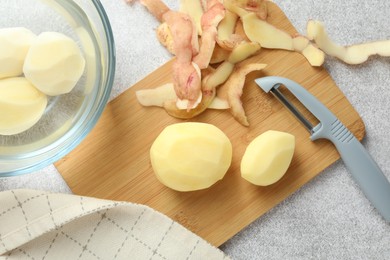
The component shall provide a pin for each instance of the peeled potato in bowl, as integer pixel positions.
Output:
(21, 105)
(66, 50)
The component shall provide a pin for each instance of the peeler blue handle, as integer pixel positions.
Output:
(363, 168)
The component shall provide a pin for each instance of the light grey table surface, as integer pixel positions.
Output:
(329, 218)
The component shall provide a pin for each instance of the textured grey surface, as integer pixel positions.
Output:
(329, 218)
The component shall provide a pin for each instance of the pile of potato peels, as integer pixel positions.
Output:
(209, 38)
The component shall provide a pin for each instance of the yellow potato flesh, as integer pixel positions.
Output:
(54, 63)
(14, 45)
(21, 105)
(190, 156)
(267, 157)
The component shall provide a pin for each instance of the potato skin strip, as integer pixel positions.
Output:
(233, 88)
(268, 36)
(207, 98)
(259, 7)
(210, 19)
(186, 75)
(354, 54)
(193, 8)
(156, 7)
(227, 38)
(156, 96)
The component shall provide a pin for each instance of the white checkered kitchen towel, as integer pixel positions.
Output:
(42, 225)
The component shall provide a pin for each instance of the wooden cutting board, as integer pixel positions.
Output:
(113, 161)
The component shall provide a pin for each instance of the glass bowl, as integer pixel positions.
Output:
(68, 118)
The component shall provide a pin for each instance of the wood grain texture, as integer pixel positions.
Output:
(113, 161)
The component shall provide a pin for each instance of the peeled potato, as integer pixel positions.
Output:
(190, 156)
(54, 63)
(14, 44)
(267, 157)
(21, 105)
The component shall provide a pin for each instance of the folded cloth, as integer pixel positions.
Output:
(43, 225)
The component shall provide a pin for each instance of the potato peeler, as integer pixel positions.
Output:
(363, 168)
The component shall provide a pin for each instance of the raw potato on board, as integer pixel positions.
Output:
(267, 157)
(190, 156)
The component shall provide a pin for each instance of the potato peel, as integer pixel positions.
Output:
(314, 56)
(230, 31)
(243, 51)
(268, 36)
(166, 93)
(219, 103)
(155, 7)
(219, 55)
(195, 10)
(354, 54)
(240, 52)
(220, 75)
(226, 38)
(234, 89)
(207, 97)
(156, 96)
(227, 25)
(165, 37)
(213, 15)
(186, 74)
(259, 7)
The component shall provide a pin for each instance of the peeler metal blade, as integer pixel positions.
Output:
(363, 168)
